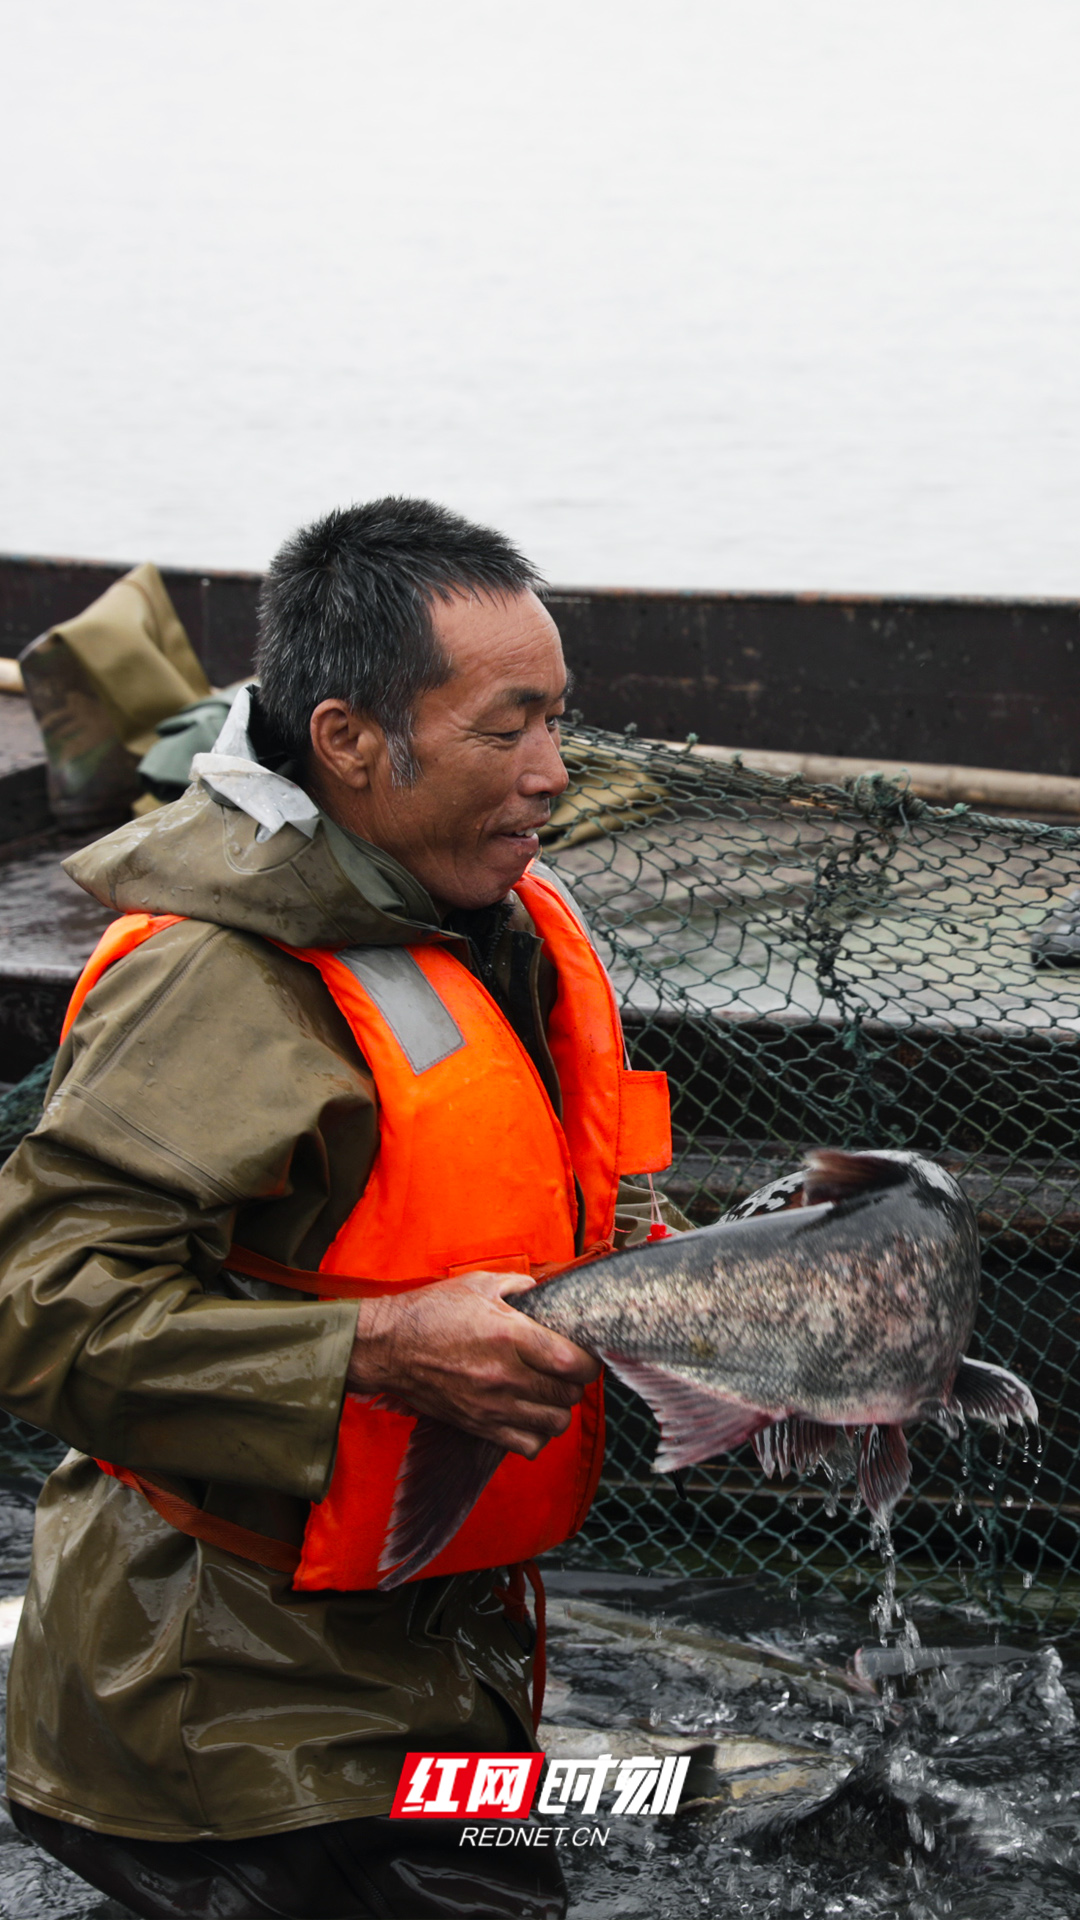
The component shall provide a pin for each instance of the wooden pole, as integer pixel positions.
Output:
(975, 786)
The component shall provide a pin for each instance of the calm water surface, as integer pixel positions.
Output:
(708, 294)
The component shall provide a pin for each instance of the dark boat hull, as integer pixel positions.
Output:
(986, 683)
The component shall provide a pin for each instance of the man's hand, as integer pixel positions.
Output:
(455, 1351)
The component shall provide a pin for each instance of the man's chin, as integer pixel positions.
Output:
(521, 851)
(493, 881)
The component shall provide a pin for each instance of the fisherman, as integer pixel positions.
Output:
(344, 1030)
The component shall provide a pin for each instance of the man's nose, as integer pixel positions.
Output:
(546, 772)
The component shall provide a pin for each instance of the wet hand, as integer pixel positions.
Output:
(458, 1352)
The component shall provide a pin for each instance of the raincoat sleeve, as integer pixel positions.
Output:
(208, 1077)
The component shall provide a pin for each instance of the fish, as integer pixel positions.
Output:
(739, 1782)
(729, 1666)
(836, 1312)
(875, 1663)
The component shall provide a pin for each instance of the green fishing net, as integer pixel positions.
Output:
(850, 967)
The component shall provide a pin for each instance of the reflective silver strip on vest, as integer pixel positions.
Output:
(424, 1028)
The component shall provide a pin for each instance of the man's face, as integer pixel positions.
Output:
(487, 746)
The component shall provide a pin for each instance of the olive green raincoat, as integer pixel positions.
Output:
(211, 1090)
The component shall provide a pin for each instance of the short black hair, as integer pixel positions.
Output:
(345, 613)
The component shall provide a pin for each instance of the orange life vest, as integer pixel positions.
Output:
(473, 1170)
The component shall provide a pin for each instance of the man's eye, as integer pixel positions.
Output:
(510, 739)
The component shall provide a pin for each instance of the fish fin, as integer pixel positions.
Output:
(795, 1443)
(695, 1420)
(983, 1392)
(944, 1417)
(884, 1469)
(441, 1477)
(832, 1175)
(390, 1403)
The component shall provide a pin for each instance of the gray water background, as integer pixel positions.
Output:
(736, 293)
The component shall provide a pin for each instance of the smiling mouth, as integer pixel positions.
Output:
(524, 833)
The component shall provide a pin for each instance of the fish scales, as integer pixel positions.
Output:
(848, 1319)
(841, 1306)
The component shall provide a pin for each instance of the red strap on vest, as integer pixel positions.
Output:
(210, 1527)
(325, 1286)
(514, 1607)
(347, 1286)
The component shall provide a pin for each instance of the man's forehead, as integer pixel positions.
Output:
(509, 644)
(480, 625)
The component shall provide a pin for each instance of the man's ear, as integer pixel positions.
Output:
(345, 745)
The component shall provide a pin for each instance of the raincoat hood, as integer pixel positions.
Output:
(249, 849)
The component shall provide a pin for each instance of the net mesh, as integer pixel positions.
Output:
(847, 967)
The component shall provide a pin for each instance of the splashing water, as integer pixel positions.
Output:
(962, 1795)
